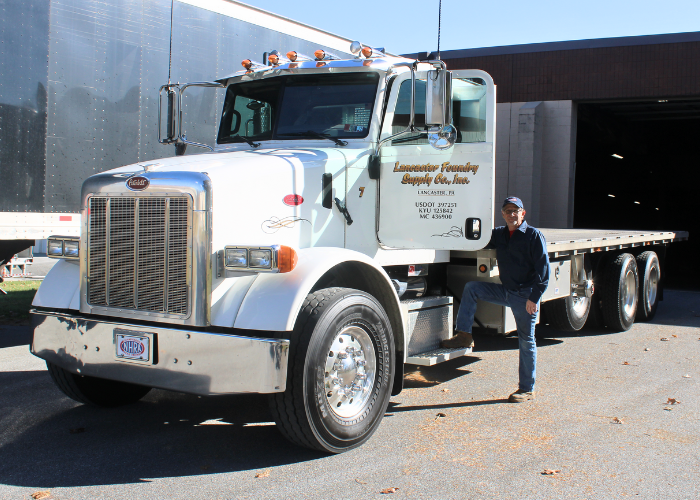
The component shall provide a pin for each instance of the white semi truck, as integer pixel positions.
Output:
(320, 247)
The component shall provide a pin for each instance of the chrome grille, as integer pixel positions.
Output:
(139, 253)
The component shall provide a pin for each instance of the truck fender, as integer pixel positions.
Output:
(273, 301)
(61, 287)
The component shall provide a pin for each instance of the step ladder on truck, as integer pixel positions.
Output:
(319, 248)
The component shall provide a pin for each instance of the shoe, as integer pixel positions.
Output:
(462, 339)
(520, 396)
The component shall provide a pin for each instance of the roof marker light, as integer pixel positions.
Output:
(322, 55)
(295, 56)
(251, 65)
(370, 52)
(276, 59)
(615, 155)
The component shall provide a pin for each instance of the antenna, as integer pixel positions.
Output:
(439, 23)
(170, 56)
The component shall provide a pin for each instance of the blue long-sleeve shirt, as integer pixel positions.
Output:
(523, 262)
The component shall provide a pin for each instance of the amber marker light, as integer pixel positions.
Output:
(274, 59)
(292, 55)
(320, 54)
(286, 259)
(367, 51)
(246, 63)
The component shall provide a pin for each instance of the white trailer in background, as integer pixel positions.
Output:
(313, 253)
(88, 101)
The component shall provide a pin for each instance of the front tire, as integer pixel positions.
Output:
(649, 276)
(620, 292)
(95, 391)
(340, 371)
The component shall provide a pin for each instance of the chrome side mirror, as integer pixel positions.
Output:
(438, 98)
(442, 137)
(438, 109)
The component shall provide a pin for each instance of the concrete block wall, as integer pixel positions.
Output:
(535, 159)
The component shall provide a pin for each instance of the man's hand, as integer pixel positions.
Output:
(530, 307)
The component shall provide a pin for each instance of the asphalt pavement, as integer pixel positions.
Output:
(602, 419)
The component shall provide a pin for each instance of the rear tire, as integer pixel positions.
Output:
(568, 314)
(649, 276)
(619, 297)
(340, 371)
(95, 391)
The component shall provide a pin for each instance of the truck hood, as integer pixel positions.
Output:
(261, 197)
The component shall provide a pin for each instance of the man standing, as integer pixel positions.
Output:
(523, 265)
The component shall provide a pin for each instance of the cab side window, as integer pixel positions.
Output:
(469, 109)
(403, 114)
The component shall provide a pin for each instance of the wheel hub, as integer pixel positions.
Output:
(350, 371)
(629, 294)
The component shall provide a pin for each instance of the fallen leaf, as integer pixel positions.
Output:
(445, 390)
(668, 408)
(360, 482)
(673, 401)
(664, 339)
(550, 472)
(389, 490)
(617, 420)
(626, 363)
(265, 473)
(675, 336)
(686, 376)
(647, 349)
(440, 415)
(77, 430)
(38, 495)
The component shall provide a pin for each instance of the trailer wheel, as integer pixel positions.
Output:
(340, 371)
(568, 314)
(619, 299)
(95, 391)
(649, 275)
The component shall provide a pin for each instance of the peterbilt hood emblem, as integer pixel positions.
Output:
(137, 183)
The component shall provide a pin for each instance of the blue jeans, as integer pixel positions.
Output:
(525, 322)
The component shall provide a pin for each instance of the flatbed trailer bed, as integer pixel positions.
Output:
(561, 242)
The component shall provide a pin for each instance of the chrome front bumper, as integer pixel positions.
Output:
(183, 360)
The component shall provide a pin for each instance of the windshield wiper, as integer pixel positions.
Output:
(311, 133)
(243, 138)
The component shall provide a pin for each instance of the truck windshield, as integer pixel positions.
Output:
(299, 107)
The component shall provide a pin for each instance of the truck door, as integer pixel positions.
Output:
(439, 199)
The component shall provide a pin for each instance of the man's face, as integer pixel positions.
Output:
(513, 215)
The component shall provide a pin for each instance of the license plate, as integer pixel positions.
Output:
(132, 346)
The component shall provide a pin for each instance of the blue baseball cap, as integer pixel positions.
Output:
(512, 200)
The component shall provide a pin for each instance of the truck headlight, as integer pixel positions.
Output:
(261, 258)
(63, 247)
(236, 257)
(275, 258)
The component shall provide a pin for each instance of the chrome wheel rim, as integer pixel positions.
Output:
(351, 367)
(629, 294)
(579, 305)
(652, 286)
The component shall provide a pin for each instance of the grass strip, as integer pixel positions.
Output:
(14, 307)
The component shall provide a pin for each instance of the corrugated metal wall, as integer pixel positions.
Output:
(95, 67)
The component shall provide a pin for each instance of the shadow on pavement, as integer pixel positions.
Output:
(427, 376)
(396, 408)
(11, 336)
(54, 442)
